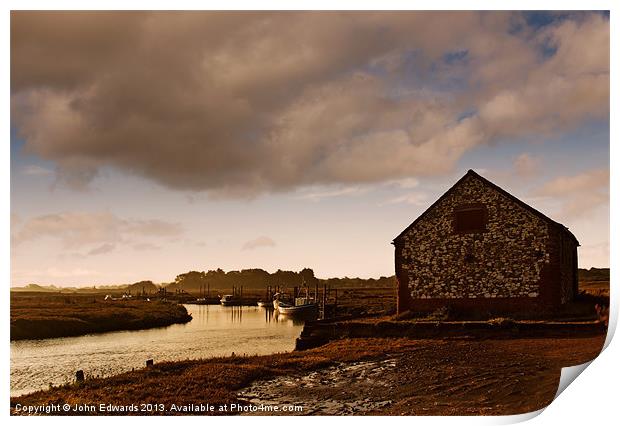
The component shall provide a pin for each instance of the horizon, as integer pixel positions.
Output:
(172, 281)
(192, 270)
(256, 145)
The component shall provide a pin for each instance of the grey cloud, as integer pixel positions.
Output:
(15, 219)
(80, 229)
(154, 227)
(317, 195)
(527, 165)
(414, 198)
(241, 103)
(591, 180)
(579, 194)
(102, 249)
(34, 170)
(259, 242)
(145, 247)
(73, 229)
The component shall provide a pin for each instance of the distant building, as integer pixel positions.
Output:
(478, 248)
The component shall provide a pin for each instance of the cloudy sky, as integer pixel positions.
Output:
(144, 145)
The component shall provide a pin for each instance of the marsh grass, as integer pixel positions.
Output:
(39, 317)
(214, 380)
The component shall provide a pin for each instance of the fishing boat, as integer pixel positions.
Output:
(263, 304)
(276, 300)
(300, 307)
(227, 300)
(305, 309)
(279, 301)
(279, 304)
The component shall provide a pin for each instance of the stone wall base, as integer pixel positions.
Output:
(479, 305)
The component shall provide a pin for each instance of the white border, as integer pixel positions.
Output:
(591, 400)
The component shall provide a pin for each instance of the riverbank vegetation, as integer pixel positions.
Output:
(255, 281)
(432, 376)
(44, 315)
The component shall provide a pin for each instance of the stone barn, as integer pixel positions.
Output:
(480, 249)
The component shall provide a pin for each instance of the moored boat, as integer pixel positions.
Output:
(278, 301)
(227, 300)
(302, 307)
(279, 304)
(305, 309)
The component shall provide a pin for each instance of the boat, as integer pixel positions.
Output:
(227, 300)
(306, 309)
(280, 303)
(301, 307)
(263, 304)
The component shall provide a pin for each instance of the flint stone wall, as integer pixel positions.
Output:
(505, 261)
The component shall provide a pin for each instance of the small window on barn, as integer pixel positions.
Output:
(470, 220)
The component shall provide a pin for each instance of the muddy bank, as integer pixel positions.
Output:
(458, 377)
(353, 376)
(47, 316)
(342, 389)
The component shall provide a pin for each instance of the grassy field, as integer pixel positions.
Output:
(44, 315)
(439, 377)
(367, 301)
(595, 288)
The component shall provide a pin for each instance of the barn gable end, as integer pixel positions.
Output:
(478, 247)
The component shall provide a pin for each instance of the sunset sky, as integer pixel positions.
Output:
(144, 145)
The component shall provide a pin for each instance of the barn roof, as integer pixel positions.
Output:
(498, 189)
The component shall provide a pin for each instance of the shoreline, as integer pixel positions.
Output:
(330, 379)
(54, 317)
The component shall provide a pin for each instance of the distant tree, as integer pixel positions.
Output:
(256, 278)
(191, 280)
(308, 277)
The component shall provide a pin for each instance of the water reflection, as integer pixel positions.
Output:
(297, 321)
(236, 313)
(214, 331)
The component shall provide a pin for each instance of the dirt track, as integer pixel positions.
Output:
(449, 377)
